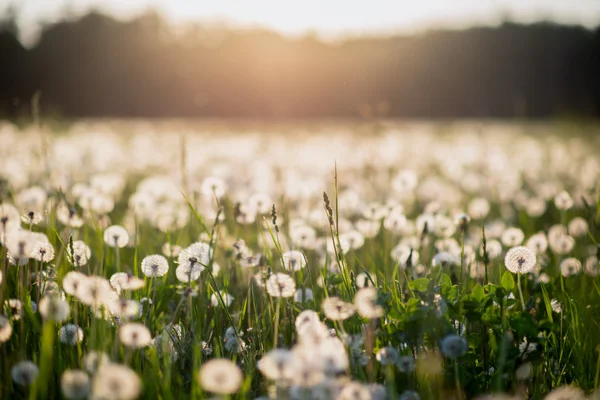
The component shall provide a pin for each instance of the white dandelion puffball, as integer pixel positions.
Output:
(454, 346)
(220, 376)
(337, 309)
(115, 381)
(277, 364)
(155, 266)
(365, 302)
(520, 260)
(135, 335)
(293, 260)
(281, 285)
(5, 329)
(75, 384)
(24, 373)
(70, 334)
(53, 308)
(195, 255)
(116, 236)
(226, 297)
(43, 251)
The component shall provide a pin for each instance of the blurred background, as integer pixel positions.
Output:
(270, 59)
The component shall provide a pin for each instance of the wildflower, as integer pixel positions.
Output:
(520, 260)
(303, 295)
(54, 309)
(367, 228)
(116, 236)
(293, 260)
(95, 290)
(353, 238)
(538, 243)
(336, 309)
(5, 329)
(405, 255)
(233, 341)
(81, 253)
(409, 395)
(155, 266)
(570, 266)
(68, 216)
(226, 297)
(561, 244)
(206, 348)
(95, 360)
(70, 334)
(75, 384)
(124, 308)
(566, 393)
(578, 227)
(134, 335)
(32, 217)
(406, 364)
(387, 355)
(395, 223)
(195, 255)
(9, 220)
(20, 244)
(277, 365)
(365, 302)
(43, 251)
(364, 280)
(512, 237)
(306, 318)
(354, 391)
(213, 187)
(303, 236)
(281, 285)
(24, 373)
(123, 281)
(220, 376)
(115, 381)
(454, 346)
(591, 267)
(443, 259)
(14, 308)
(72, 282)
(563, 201)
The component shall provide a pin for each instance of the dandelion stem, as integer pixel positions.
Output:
(276, 334)
(520, 291)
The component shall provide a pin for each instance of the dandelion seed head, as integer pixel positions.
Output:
(520, 260)
(220, 376)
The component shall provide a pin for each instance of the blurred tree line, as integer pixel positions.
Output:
(100, 66)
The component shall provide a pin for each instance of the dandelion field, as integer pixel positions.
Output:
(389, 261)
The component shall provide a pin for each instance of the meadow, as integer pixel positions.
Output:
(319, 261)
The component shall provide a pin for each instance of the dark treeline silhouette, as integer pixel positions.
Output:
(99, 66)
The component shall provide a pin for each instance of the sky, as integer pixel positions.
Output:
(325, 17)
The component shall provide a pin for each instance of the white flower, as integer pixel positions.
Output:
(520, 260)
(336, 309)
(135, 335)
(75, 384)
(454, 346)
(220, 376)
(293, 260)
(226, 297)
(70, 334)
(24, 373)
(116, 236)
(53, 308)
(115, 381)
(281, 285)
(155, 266)
(365, 302)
